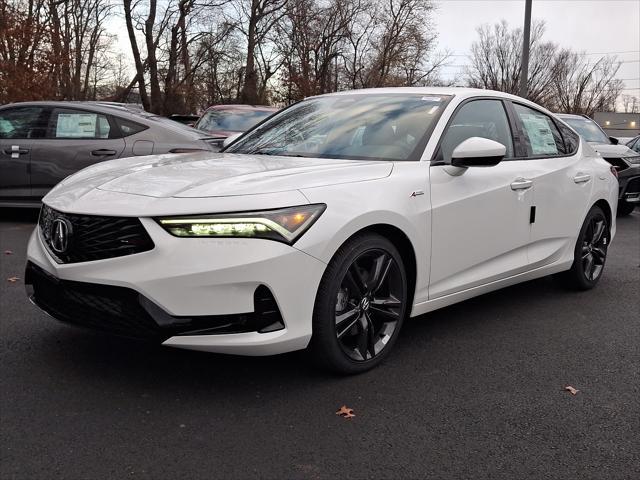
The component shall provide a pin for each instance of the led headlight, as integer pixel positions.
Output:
(284, 224)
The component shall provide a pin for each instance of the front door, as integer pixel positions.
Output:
(480, 216)
(19, 127)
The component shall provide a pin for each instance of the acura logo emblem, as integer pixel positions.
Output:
(60, 235)
(364, 304)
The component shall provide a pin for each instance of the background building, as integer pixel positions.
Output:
(619, 124)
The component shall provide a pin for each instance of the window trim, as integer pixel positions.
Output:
(555, 123)
(60, 107)
(434, 158)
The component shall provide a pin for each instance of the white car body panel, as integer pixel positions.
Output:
(455, 223)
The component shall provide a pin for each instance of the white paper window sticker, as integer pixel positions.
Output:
(76, 125)
(540, 134)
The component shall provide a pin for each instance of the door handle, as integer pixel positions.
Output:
(15, 150)
(103, 152)
(582, 178)
(521, 184)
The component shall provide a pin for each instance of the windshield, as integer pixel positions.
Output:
(231, 120)
(356, 127)
(588, 129)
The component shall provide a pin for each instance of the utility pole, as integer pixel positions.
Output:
(524, 71)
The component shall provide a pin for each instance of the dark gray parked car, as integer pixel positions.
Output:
(626, 161)
(41, 143)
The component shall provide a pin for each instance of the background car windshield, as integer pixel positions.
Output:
(235, 121)
(587, 129)
(358, 127)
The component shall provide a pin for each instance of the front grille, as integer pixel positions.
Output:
(619, 163)
(91, 237)
(100, 307)
(123, 311)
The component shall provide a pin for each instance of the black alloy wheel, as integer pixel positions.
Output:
(594, 248)
(590, 252)
(360, 306)
(367, 304)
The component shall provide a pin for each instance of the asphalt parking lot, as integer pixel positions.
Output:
(475, 390)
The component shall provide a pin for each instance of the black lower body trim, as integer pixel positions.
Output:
(123, 311)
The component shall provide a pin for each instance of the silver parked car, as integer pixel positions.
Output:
(43, 142)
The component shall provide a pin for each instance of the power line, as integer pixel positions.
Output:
(579, 53)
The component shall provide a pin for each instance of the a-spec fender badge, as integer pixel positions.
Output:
(416, 193)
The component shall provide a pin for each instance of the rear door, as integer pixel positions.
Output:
(20, 127)
(562, 184)
(75, 139)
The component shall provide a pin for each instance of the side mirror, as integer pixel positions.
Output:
(230, 139)
(478, 152)
(614, 140)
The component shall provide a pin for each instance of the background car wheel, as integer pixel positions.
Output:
(360, 305)
(625, 208)
(590, 252)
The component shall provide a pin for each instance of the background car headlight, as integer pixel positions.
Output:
(284, 224)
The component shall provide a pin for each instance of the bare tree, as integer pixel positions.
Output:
(256, 18)
(391, 44)
(630, 104)
(581, 86)
(496, 61)
(25, 62)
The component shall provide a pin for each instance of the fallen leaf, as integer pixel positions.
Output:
(13, 279)
(571, 390)
(345, 412)
(8, 252)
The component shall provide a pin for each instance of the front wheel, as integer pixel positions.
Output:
(360, 305)
(590, 252)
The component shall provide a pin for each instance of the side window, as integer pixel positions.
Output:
(571, 140)
(478, 118)
(127, 127)
(70, 123)
(23, 122)
(636, 146)
(540, 133)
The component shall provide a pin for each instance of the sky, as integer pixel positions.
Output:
(590, 26)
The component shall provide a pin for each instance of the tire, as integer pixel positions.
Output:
(360, 306)
(590, 253)
(625, 208)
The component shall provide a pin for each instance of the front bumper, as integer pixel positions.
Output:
(200, 294)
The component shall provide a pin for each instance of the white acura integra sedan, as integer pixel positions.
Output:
(326, 225)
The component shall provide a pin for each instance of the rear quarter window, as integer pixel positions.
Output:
(571, 139)
(128, 127)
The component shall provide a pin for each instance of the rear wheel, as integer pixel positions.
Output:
(590, 253)
(360, 305)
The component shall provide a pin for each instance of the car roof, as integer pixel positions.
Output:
(461, 93)
(572, 115)
(135, 115)
(265, 108)
(451, 91)
(104, 107)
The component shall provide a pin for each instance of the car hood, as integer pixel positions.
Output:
(203, 174)
(611, 151)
